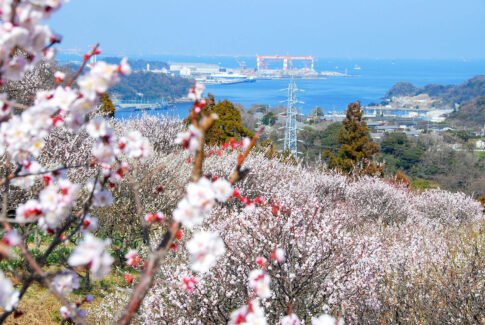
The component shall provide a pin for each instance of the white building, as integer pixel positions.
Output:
(194, 69)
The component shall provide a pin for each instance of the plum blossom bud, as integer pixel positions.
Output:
(8, 296)
(259, 281)
(124, 68)
(154, 217)
(60, 76)
(129, 278)
(132, 258)
(205, 248)
(188, 283)
(261, 261)
(195, 93)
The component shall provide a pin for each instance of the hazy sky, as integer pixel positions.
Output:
(324, 28)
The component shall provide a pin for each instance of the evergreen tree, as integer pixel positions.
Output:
(107, 107)
(356, 147)
(228, 125)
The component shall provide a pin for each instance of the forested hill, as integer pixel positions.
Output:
(470, 95)
(449, 95)
(151, 85)
(471, 114)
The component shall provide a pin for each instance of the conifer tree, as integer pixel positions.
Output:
(356, 147)
(107, 107)
(228, 125)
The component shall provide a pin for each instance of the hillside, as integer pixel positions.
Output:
(151, 85)
(471, 114)
(449, 95)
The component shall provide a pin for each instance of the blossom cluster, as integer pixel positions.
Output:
(20, 30)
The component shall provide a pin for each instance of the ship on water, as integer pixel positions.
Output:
(226, 79)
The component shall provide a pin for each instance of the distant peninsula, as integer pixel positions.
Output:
(468, 99)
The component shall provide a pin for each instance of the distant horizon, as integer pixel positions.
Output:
(412, 29)
(205, 55)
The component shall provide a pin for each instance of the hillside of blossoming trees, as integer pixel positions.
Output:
(203, 234)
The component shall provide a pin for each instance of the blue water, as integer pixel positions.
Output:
(367, 85)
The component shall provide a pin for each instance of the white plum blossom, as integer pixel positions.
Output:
(195, 93)
(102, 198)
(199, 201)
(56, 202)
(99, 127)
(245, 142)
(30, 211)
(65, 282)
(92, 252)
(205, 248)
(98, 80)
(250, 314)
(259, 281)
(279, 255)
(89, 223)
(201, 195)
(65, 313)
(326, 320)
(103, 152)
(135, 145)
(30, 168)
(186, 214)
(290, 320)
(222, 190)
(8, 296)
(190, 139)
(12, 238)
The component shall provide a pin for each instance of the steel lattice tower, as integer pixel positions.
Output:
(291, 113)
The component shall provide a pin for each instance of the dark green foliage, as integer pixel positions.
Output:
(400, 153)
(316, 142)
(356, 147)
(228, 125)
(269, 119)
(151, 85)
(402, 88)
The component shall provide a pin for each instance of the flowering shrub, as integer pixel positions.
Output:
(218, 244)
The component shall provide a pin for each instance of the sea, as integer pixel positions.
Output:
(368, 82)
